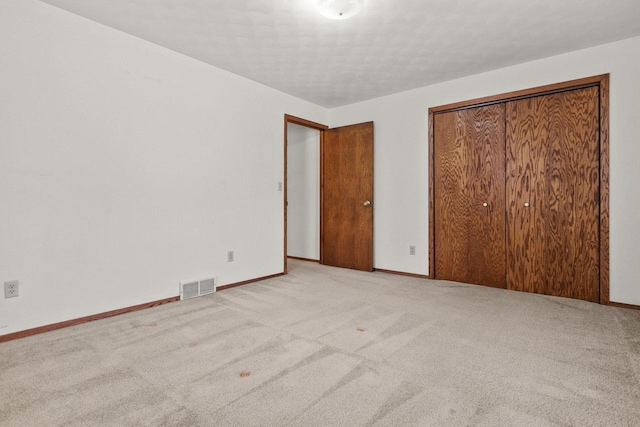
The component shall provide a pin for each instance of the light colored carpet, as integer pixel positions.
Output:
(334, 347)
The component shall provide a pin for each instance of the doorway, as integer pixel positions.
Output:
(344, 217)
(302, 127)
(303, 193)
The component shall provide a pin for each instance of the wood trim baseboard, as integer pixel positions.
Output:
(622, 305)
(402, 273)
(80, 320)
(303, 259)
(246, 282)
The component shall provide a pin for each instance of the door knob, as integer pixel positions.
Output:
(526, 204)
(366, 203)
(485, 204)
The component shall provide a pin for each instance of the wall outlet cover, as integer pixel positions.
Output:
(11, 289)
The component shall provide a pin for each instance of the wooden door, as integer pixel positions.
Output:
(347, 197)
(469, 153)
(553, 194)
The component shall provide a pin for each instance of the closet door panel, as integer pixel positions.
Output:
(469, 157)
(552, 194)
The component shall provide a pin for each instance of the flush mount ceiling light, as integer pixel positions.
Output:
(339, 9)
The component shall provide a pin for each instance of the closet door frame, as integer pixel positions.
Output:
(602, 82)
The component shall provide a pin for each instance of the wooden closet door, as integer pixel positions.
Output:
(469, 155)
(552, 194)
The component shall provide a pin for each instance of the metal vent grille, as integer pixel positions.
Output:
(195, 288)
(207, 286)
(189, 290)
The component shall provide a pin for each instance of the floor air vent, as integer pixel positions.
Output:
(195, 288)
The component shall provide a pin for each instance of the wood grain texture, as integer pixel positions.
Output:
(553, 164)
(432, 199)
(469, 156)
(600, 81)
(604, 189)
(525, 93)
(347, 182)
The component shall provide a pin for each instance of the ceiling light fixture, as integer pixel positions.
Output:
(339, 9)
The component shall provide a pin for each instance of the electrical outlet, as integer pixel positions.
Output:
(11, 289)
(412, 250)
(230, 256)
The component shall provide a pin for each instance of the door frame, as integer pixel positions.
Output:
(289, 119)
(602, 82)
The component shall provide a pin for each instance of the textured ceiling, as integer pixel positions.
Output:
(392, 46)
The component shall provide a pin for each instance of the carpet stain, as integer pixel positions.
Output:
(436, 356)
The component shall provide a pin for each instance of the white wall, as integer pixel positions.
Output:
(401, 138)
(126, 167)
(303, 192)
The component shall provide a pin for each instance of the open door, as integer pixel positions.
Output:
(347, 197)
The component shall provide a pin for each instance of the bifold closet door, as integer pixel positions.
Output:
(469, 156)
(552, 191)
